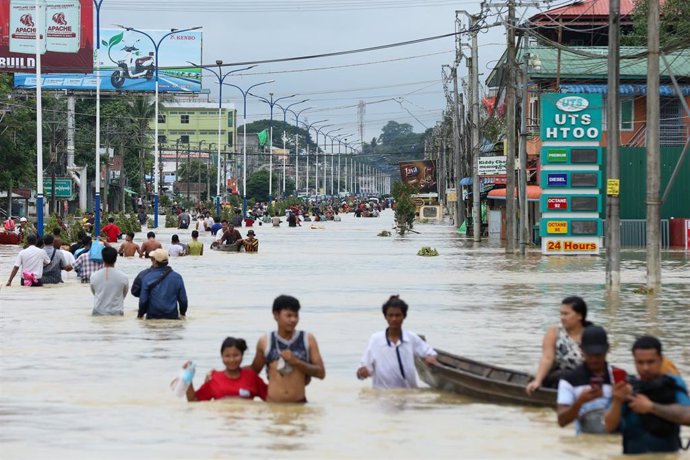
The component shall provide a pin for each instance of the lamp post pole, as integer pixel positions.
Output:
(220, 76)
(316, 158)
(309, 126)
(297, 114)
(208, 171)
(325, 158)
(271, 103)
(244, 140)
(156, 172)
(97, 199)
(285, 111)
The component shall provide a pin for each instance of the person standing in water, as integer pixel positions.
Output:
(234, 381)
(291, 357)
(389, 357)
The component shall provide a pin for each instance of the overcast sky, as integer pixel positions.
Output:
(236, 31)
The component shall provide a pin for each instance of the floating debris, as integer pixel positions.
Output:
(427, 251)
(384, 233)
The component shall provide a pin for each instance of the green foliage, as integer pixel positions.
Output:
(17, 138)
(150, 222)
(405, 208)
(384, 233)
(278, 128)
(257, 186)
(282, 205)
(170, 220)
(674, 23)
(197, 172)
(427, 251)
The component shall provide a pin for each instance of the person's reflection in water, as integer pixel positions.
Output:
(292, 424)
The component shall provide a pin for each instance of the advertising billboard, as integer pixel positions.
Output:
(420, 174)
(128, 63)
(66, 35)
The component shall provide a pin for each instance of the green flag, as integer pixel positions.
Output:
(263, 137)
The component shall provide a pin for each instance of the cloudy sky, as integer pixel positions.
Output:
(401, 83)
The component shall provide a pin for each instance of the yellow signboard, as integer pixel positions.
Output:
(585, 245)
(557, 227)
(613, 187)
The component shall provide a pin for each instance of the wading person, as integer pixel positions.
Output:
(195, 247)
(31, 260)
(235, 381)
(251, 244)
(52, 273)
(112, 231)
(561, 351)
(389, 357)
(291, 357)
(162, 290)
(640, 408)
(129, 248)
(584, 394)
(151, 244)
(88, 262)
(109, 287)
(176, 249)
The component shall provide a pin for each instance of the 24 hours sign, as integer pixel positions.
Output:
(571, 118)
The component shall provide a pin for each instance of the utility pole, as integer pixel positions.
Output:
(510, 130)
(474, 91)
(653, 154)
(522, 186)
(613, 231)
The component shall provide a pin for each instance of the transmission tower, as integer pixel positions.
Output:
(361, 110)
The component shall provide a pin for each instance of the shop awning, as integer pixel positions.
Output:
(624, 90)
(533, 193)
(465, 181)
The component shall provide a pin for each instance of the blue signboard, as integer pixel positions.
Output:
(556, 179)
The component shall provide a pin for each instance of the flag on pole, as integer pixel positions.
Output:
(263, 137)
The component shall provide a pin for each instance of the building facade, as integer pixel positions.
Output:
(190, 121)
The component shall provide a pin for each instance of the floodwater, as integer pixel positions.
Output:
(75, 386)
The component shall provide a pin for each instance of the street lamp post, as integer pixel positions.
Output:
(156, 47)
(309, 126)
(244, 140)
(297, 114)
(285, 111)
(341, 138)
(325, 159)
(208, 171)
(272, 103)
(316, 158)
(97, 199)
(220, 76)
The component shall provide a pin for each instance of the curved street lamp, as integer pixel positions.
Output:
(285, 111)
(296, 115)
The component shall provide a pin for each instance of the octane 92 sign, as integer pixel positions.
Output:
(571, 118)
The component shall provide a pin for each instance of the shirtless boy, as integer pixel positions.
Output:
(291, 357)
(151, 244)
(129, 248)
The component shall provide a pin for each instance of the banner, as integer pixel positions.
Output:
(128, 63)
(420, 174)
(66, 35)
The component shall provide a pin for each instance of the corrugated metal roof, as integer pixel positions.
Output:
(585, 8)
(577, 68)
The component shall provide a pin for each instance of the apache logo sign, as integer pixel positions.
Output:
(59, 18)
(27, 20)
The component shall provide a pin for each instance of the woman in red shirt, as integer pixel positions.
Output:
(234, 381)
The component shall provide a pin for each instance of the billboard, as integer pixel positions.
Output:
(127, 61)
(66, 35)
(420, 174)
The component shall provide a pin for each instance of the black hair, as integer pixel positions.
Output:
(285, 302)
(32, 239)
(39, 242)
(150, 235)
(195, 234)
(395, 301)
(86, 240)
(56, 231)
(111, 219)
(579, 306)
(230, 342)
(130, 234)
(48, 239)
(224, 221)
(80, 235)
(647, 342)
(109, 255)
(175, 238)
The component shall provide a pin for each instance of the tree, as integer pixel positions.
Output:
(405, 208)
(198, 171)
(278, 128)
(141, 111)
(674, 23)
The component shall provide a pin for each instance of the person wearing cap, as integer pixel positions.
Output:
(163, 294)
(646, 408)
(251, 244)
(584, 394)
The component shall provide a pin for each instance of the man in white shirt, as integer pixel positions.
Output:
(176, 249)
(109, 287)
(389, 358)
(32, 260)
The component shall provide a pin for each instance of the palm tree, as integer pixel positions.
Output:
(141, 112)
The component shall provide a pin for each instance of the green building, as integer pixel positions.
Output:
(190, 121)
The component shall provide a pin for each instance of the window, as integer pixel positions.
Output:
(184, 139)
(231, 118)
(230, 136)
(626, 114)
(162, 139)
(184, 119)
(161, 118)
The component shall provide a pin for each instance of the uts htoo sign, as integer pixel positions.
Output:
(571, 117)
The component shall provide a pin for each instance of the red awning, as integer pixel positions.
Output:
(533, 193)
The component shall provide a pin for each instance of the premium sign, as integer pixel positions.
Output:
(557, 202)
(557, 227)
(569, 246)
(65, 30)
(557, 155)
(574, 117)
(492, 166)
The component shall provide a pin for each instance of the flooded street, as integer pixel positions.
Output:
(77, 386)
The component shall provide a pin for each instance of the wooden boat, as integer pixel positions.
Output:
(227, 248)
(9, 238)
(482, 381)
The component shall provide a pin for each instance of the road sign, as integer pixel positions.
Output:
(63, 187)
